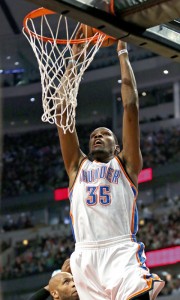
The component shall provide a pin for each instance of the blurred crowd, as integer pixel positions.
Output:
(159, 226)
(156, 230)
(38, 256)
(172, 284)
(11, 223)
(48, 254)
(158, 222)
(32, 162)
(161, 147)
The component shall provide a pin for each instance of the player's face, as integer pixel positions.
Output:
(102, 142)
(66, 288)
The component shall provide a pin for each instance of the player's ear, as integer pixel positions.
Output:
(54, 294)
(117, 150)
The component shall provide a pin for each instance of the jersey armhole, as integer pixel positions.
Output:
(126, 173)
(78, 170)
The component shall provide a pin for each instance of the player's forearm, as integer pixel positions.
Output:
(67, 84)
(128, 85)
(68, 90)
(66, 80)
(41, 294)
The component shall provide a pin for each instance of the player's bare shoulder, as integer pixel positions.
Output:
(74, 171)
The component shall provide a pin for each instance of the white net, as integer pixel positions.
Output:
(59, 87)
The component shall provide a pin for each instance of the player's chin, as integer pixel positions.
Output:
(75, 295)
(97, 150)
(99, 154)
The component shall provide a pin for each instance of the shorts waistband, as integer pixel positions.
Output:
(105, 243)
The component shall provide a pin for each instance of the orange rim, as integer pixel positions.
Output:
(43, 11)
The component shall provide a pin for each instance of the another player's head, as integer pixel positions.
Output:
(62, 287)
(103, 144)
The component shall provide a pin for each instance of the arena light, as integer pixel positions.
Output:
(144, 94)
(25, 242)
(12, 71)
(61, 194)
(166, 72)
(145, 175)
(163, 257)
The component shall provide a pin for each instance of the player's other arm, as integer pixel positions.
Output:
(69, 143)
(131, 153)
(41, 294)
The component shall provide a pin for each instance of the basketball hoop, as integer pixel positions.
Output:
(53, 53)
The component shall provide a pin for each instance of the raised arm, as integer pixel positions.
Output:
(130, 154)
(69, 143)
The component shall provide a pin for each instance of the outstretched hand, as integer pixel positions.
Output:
(66, 266)
(121, 45)
(77, 49)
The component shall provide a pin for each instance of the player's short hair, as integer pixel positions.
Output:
(115, 138)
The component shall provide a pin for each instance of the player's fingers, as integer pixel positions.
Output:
(79, 33)
(121, 45)
(66, 266)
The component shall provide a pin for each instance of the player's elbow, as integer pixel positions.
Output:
(131, 102)
(131, 108)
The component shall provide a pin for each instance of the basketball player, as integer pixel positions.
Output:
(108, 262)
(61, 286)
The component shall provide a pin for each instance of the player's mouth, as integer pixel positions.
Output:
(97, 143)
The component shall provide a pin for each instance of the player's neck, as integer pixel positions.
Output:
(103, 158)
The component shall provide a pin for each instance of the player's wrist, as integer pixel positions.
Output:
(71, 61)
(122, 51)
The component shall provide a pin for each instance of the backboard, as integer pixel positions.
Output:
(153, 25)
